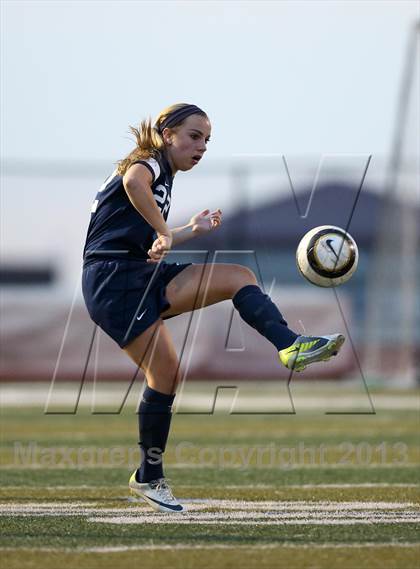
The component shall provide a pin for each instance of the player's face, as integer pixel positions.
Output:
(186, 143)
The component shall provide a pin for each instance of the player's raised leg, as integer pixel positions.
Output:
(155, 353)
(202, 285)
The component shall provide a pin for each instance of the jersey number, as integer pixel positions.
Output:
(101, 189)
(162, 199)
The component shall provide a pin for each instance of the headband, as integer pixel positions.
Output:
(177, 116)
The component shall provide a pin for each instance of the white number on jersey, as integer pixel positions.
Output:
(101, 189)
(162, 199)
(111, 177)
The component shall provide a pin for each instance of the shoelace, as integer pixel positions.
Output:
(161, 485)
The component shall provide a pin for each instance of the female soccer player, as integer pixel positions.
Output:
(130, 290)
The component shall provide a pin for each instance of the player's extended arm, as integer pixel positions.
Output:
(182, 234)
(198, 224)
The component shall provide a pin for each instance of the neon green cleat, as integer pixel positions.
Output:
(307, 350)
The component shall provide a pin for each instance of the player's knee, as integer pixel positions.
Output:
(242, 276)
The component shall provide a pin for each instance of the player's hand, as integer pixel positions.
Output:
(206, 221)
(160, 248)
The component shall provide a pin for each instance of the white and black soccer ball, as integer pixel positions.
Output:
(327, 256)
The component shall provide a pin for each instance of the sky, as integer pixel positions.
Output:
(274, 77)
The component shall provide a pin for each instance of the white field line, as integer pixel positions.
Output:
(252, 522)
(233, 512)
(203, 504)
(186, 546)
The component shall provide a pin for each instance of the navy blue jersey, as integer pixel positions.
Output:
(116, 228)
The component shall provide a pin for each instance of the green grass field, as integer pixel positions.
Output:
(294, 490)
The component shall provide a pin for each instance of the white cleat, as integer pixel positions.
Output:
(157, 494)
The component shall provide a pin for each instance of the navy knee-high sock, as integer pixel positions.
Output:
(154, 423)
(260, 312)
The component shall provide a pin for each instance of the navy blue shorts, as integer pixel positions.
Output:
(125, 297)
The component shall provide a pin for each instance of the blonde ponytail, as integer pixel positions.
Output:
(148, 144)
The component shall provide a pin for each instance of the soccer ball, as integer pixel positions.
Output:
(327, 256)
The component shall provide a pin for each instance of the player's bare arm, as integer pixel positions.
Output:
(200, 223)
(137, 183)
